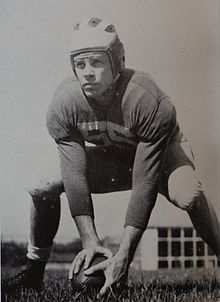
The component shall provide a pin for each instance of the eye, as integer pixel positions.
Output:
(79, 65)
(96, 63)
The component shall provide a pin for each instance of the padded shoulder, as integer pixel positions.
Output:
(149, 107)
(61, 111)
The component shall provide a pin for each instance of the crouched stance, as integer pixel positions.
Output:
(136, 144)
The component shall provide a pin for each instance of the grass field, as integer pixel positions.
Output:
(161, 286)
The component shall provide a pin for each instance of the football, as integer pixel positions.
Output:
(81, 282)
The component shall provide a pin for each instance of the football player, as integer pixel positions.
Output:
(115, 130)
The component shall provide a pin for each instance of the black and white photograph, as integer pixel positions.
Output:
(110, 137)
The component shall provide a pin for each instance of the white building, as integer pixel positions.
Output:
(174, 247)
(172, 242)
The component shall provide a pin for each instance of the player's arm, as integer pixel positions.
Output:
(74, 175)
(154, 138)
(62, 127)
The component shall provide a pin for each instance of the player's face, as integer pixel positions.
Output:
(94, 73)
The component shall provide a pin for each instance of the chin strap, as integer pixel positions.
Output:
(116, 79)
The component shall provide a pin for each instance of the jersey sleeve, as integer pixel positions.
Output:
(74, 175)
(71, 149)
(148, 158)
(60, 114)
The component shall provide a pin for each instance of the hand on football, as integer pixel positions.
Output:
(114, 268)
(86, 256)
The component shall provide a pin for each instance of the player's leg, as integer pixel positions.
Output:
(185, 191)
(205, 221)
(45, 216)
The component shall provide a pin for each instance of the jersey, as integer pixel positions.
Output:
(140, 117)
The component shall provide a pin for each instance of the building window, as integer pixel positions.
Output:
(200, 263)
(175, 232)
(162, 249)
(175, 249)
(188, 232)
(200, 248)
(176, 264)
(162, 232)
(162, 264)
(188, 248)
(188, 263)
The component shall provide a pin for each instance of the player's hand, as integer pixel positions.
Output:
(115, 270)
(86, 256)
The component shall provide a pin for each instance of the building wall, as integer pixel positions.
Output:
(170, 247)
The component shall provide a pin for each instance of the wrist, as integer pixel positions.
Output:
(130, 239)
(87, 231)
(90, 242)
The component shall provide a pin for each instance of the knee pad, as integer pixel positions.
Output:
(45, 189)
(186, 199)
(187, 204)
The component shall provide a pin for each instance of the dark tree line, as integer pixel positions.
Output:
(14, 254)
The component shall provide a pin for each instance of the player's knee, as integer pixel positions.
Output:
(184, 189)
(45, 188)
(185, 201)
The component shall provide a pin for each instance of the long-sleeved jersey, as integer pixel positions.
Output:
(140, 117)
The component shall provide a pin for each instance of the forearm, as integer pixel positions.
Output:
(140, 206)
(144, 184)
(87, 231)
(130, 239)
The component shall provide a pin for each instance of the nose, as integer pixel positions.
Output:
(89, 72)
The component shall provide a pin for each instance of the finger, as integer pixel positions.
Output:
(72, 267)
(97, 267)
(71, 270)
(104, 289)
(88, 260)
(78, 264)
